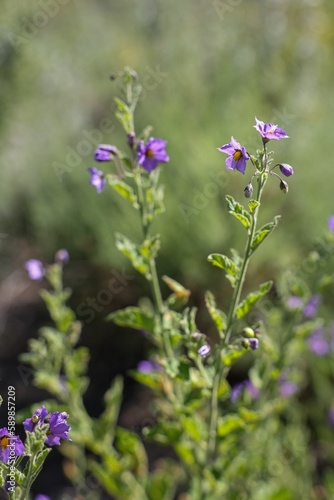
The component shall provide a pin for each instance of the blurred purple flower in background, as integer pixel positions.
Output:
(311, 307)
(146, 366)
(62, 256)
(331, 416)
(35, 269)
(294, 302)
(245, 385)
(270, 131)
(287, 388)
(97, 179)
(152, 153)
(237, 156)
(318, 343)
(331, 223)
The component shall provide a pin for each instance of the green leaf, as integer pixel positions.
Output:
(123, 189)
(134, 254)
(229, 424)
(233, 353)
(180, 295)
(133, 317)
(123, 115)
(218, 316)
(252, 298)
(193, 426)
(263, 232)
(238, 211)
(223, 262)
(252, 205)
(129, 444)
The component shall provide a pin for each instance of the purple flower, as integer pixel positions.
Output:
(10, 446)
(245, 385)
(294, 302)
(237, 156)
(35, 269)
(311, 307)
(41, 497)
(62, 256)
(270, 131)
(331, 416)
(253, 343)
(204, 350)
(318, 343)
(288, 389)
(97, 179)
(105, 152)
(331, 223)
(286, 169)
(58, 428)
(146, 366)
(38, 417)
(152, 153)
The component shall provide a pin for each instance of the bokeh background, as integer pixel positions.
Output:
(207, 67)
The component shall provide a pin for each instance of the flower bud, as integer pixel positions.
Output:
(131, 139)
(248, 332)
(284, 186)
(286, 169)
(105, 152)
(248, 191)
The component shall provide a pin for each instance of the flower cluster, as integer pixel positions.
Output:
(238, 156)
(57, 421)
(309, 309)
(9, 445)
(149, 155)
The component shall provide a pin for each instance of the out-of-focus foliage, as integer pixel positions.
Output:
(207, 67)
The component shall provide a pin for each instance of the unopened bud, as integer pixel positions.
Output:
(248, 191)
(286, 169)
(284, 186)
(248, 332)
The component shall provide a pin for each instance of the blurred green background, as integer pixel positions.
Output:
(208, 68)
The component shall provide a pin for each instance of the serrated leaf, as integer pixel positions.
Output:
(133, 317)
(123, 189)
(218, 316)
(238, 211)
(245, 306)
(252, 205)
(263, 232)
(223, 262)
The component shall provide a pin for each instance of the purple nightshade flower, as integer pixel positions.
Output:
(38, 417)
(9, 445)
(237, 156)
(152, 153)
(294, 302)
(105, 152)
(286, 169)
(311, 307)
(58, 428)
(204, 350)
(331, 223)
(62, 256)
(253, 343)
(146, 366)
(317, 342)
(35, 269)
(97, 179)
(270, 131)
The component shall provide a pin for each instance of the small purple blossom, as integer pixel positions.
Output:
(253, 343)
(152, 153)
(97, 179)
(146, 366)
(9, 445)
(318, 343)
(57, 421)
(246, 385)
(41, 497)
(288, 388)
(35, 269)
(286, 169)
(62, 256)
(294, 302)
(269, 131)
(58, 428)
(105, 152)
(331, 223)
(204, 350)
(311, 307)
(237, 156)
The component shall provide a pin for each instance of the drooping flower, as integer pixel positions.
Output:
(331, 223)
(152, 153)
(286, 169)
(237, 156)
(62, 256)
(97, 179)
(269, 131)
(58, 428)
(57, 421)
(35, 269)
(10, 446)
(105, 152)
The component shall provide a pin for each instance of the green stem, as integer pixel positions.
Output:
(26, 489)
(212, 435)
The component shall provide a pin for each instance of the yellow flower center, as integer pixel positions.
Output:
(237, 155)
(150, 153)
(4, 442)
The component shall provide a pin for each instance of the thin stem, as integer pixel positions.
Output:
(26, 489)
